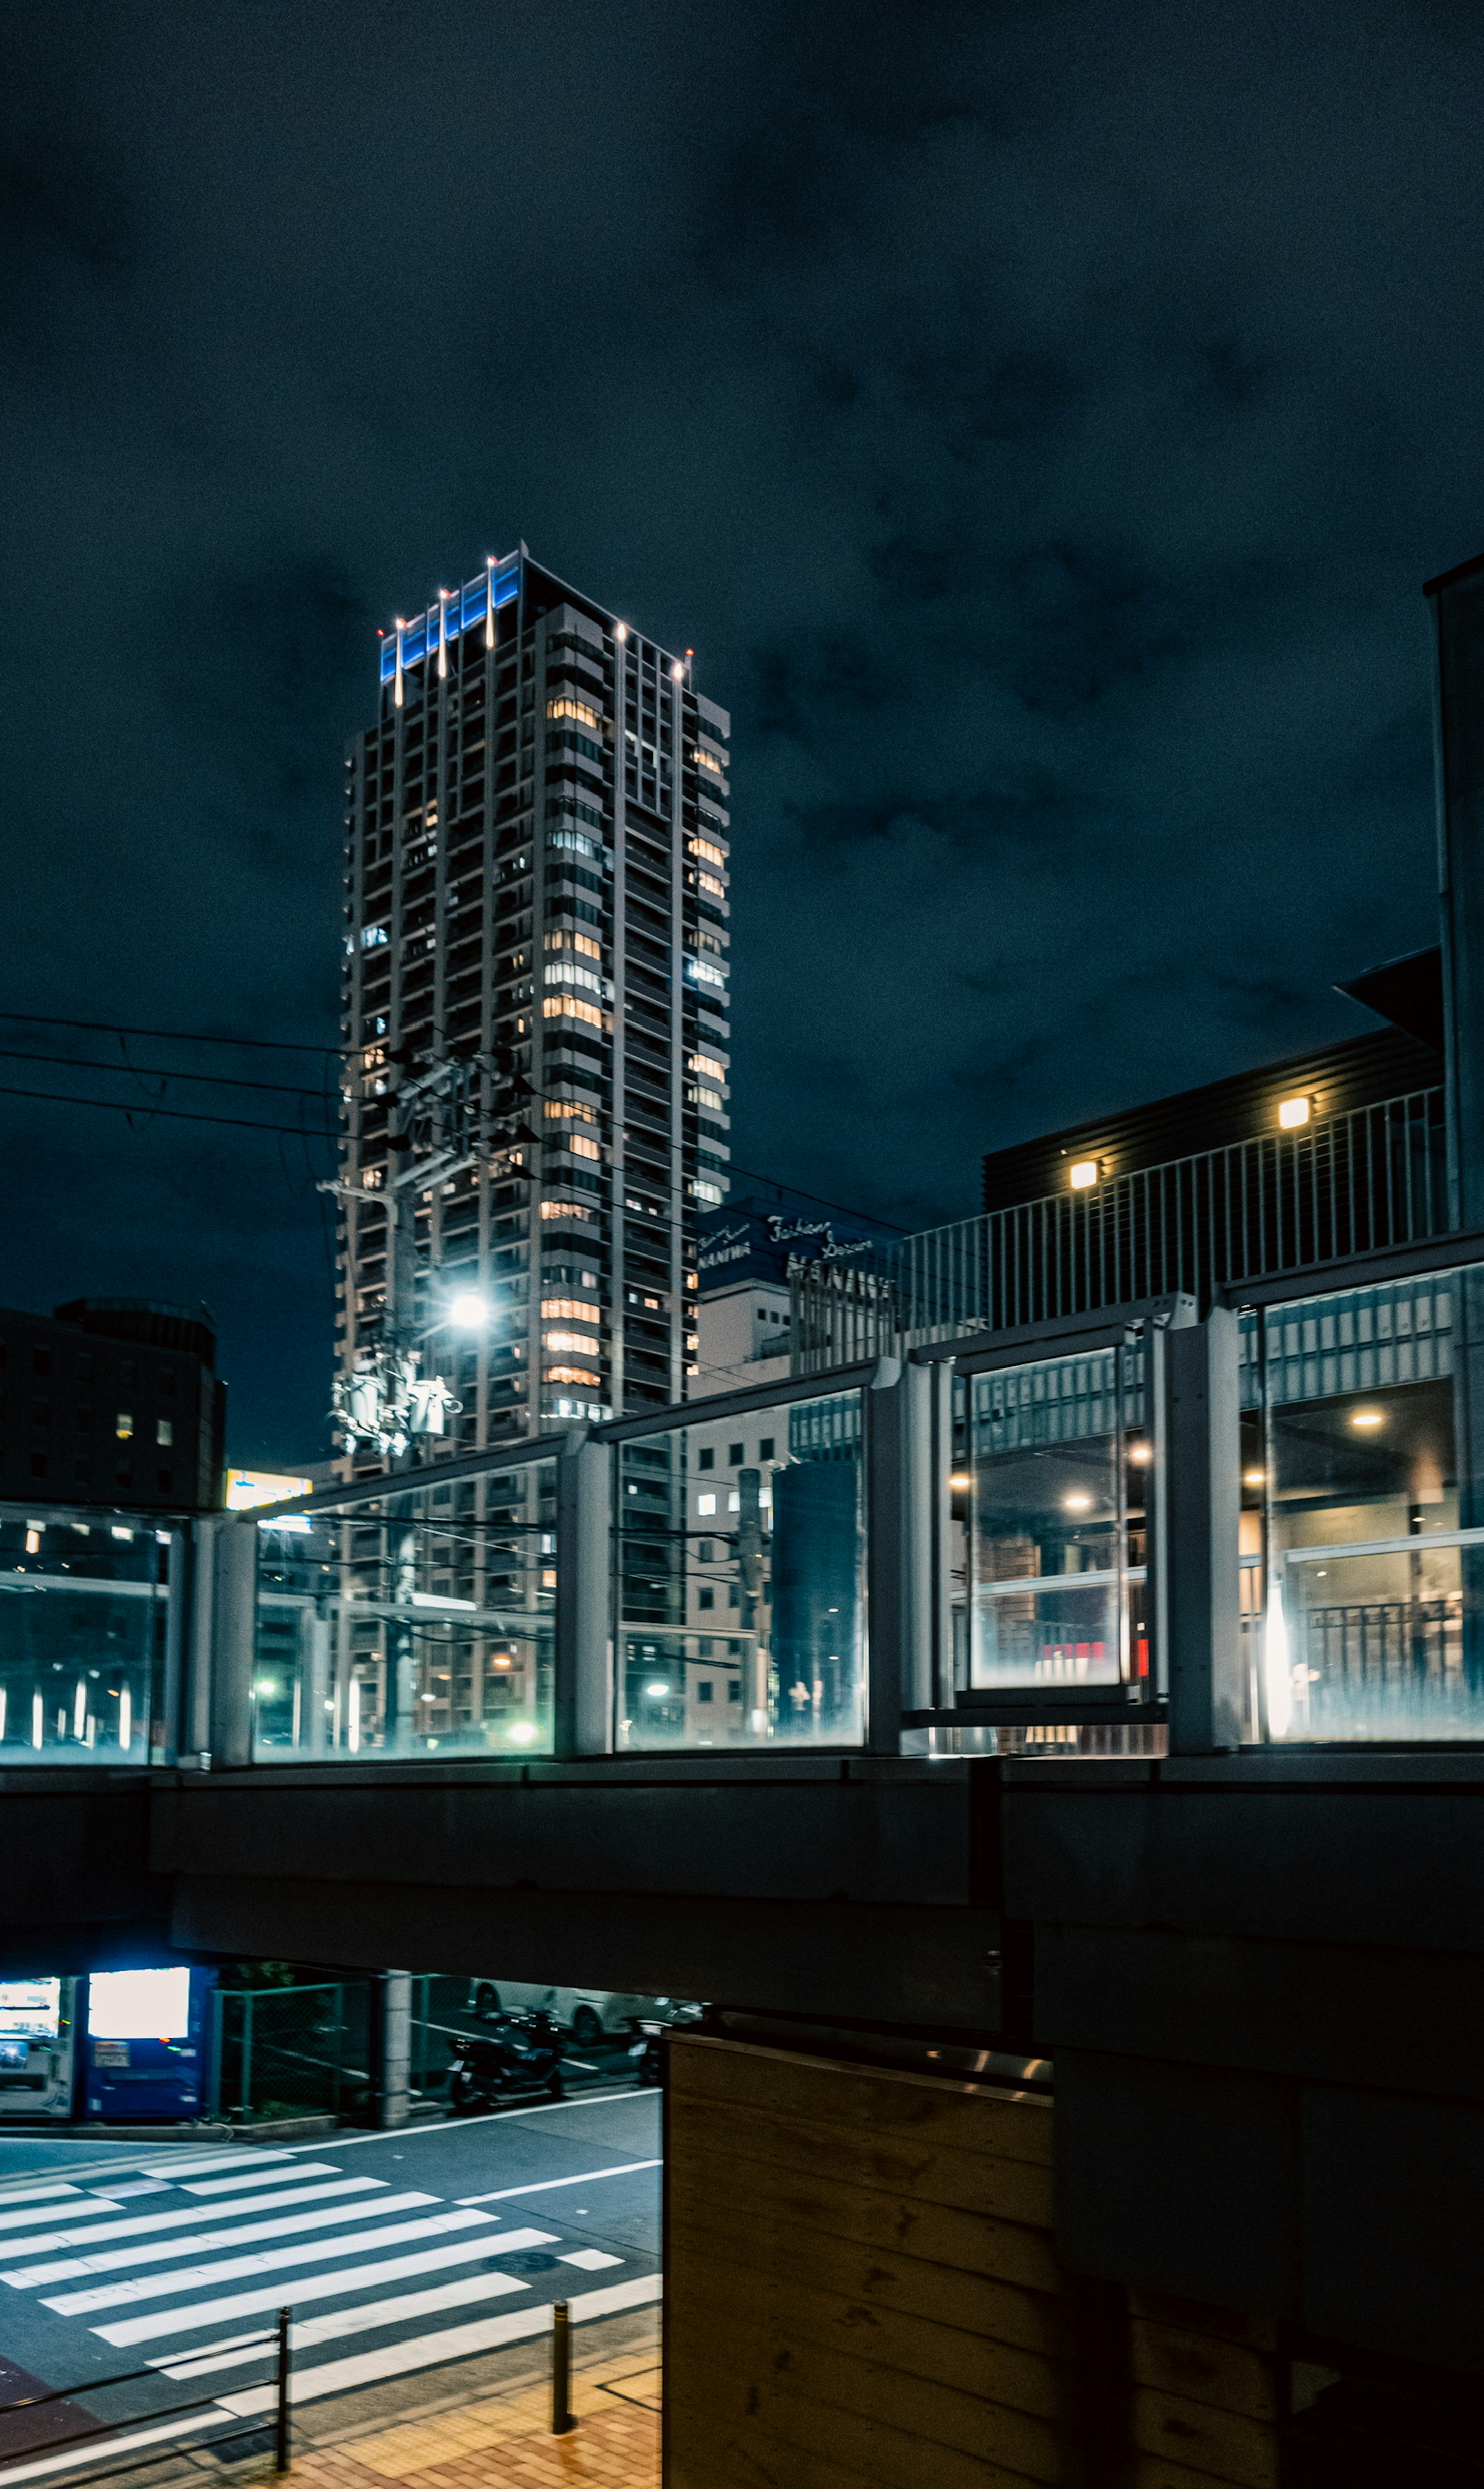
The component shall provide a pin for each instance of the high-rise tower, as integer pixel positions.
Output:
(536, 1006)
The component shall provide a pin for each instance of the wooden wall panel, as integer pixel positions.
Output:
(862, 2292)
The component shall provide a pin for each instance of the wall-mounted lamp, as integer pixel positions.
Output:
(1084, 1174)
(1293, 1112)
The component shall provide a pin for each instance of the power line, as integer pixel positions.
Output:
(179, 1036)
(171, 1114)
(278, 1045)
(154, 1072)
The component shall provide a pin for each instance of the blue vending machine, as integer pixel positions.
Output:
(146, 2038)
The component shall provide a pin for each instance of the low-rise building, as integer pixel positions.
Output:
(111, 1400)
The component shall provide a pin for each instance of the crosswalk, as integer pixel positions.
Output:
(178, 2264)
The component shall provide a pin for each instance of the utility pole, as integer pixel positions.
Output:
(384, 1400)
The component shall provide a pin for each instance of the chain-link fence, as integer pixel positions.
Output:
(302, 2052)
(292, 2052)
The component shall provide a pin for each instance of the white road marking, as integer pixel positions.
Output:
(455, 2124)
(239, 2350)
(250, 2178)
(543, 2186)
(430, 2350)
(141, 2224)
(338, 2376)
(590, 2259)
(155, 2250)
(118, 2294)
(39, 2194)
(125, 2331)
(81, 2210)
(230, 2159)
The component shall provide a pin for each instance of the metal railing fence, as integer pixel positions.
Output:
(31, 2440)
(1284, 1201)
(290, 2051)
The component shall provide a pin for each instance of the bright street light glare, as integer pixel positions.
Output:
(468, 1312)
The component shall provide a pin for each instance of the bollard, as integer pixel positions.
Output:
(561, 2369)
(281, 2432)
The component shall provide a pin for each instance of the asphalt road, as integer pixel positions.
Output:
(397, 2253)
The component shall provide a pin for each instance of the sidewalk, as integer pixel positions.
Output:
(505, 2442)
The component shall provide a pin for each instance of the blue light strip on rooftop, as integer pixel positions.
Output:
(466, 605)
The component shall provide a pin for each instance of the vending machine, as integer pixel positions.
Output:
(36, 2048)
(145, 2038)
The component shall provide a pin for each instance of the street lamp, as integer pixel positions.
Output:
(469, 1312)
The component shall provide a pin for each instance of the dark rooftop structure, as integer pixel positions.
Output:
(1354, 1072)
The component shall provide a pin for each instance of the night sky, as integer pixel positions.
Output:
(1039, 418)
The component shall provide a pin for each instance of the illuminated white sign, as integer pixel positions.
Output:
(30, 2007)
(140, 2004)
(248, 1487)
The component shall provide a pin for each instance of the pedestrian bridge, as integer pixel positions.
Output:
(721, 1700)
(1109, 1692)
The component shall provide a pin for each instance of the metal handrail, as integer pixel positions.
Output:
(1349, 1185)
(277, 2336)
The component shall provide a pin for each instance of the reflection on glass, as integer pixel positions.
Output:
(739, 1550)
(417, 1622)
(1048, 1505)
(1370, 1485)
(84, 1610)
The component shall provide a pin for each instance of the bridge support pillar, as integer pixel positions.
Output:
(391, 2037)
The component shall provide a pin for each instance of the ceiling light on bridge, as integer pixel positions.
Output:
(1077, 1502)
(1141, 1454)
(1254, 1477)
(960, 1480)
(1367, 1418)
(1293, 1113)
(1084, 1174)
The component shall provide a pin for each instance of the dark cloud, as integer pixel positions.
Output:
(1039, 418)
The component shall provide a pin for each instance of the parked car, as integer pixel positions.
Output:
(589, 2014)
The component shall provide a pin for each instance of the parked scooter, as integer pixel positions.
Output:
(522, 2054)
(648, 2050)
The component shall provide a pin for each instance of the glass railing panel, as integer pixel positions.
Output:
(739, 1555)
(418, 1623)
(1367, 1504)
(84, 1625)
(1048, 1533)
